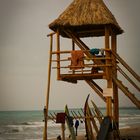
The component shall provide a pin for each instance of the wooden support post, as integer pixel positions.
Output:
(45, 125)
(73, 45)
(63, 131)
(109, 106)
(58, 55)
(48, 88)
(73, 48)
(115, 88)
(108, 70)
(107, 46)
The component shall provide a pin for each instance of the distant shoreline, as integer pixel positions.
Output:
(131, 107)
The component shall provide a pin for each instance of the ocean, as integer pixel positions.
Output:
(28, 125)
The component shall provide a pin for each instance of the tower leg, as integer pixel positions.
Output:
(48, 89)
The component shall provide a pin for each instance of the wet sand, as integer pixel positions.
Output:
(128, 133)
(131, 133)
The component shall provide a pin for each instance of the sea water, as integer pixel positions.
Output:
(28, 125)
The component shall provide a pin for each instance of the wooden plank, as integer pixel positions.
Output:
(80, 71)
(96, 58)
(58, 52)
(67, 77)
(86, 65)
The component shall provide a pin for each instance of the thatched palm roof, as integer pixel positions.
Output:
(86, 18)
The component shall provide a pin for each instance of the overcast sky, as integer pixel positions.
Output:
(24, 50)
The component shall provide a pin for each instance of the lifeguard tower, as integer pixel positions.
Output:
(84, 19)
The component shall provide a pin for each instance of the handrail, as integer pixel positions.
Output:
(88, 65)
(130, 95)
(95, 58)
(85, 65)
(127, 77)
(126, 66)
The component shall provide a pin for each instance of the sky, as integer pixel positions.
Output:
(24, 52)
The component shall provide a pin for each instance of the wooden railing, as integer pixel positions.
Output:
(90, 63)
(122, 86)
(126, 66)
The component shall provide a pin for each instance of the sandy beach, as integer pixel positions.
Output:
(128, 133)
(131, 133)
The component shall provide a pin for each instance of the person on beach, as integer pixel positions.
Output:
(59, 137)
(76, 126)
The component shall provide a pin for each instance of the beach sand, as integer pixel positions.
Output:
(131, 133)
(128, 133)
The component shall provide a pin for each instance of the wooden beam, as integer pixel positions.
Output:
(108, 70)
(58, 52)
(85, 51)
(109, 106)
(86, 65)
(58, 55)
(48, 87)
(107, 46)
(115, 87)
(96, 58)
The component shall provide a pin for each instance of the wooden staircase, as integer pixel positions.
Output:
(119, 83)
(125, 90)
